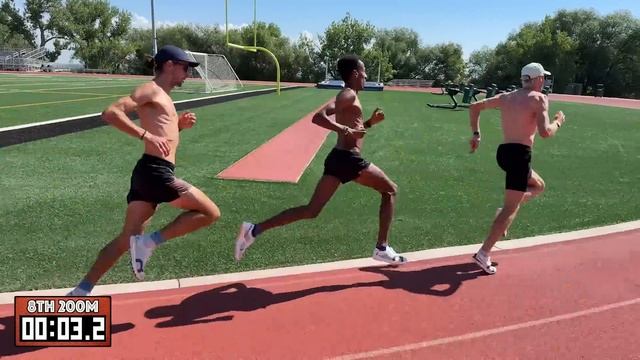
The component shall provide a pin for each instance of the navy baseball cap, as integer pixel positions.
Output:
(170, 52)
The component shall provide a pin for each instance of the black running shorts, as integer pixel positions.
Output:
(515, 160)
(153, 181)
(346, 165)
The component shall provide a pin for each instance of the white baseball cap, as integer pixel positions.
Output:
(533, 70)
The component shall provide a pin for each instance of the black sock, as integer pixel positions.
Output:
(255, 231)
(381, 247)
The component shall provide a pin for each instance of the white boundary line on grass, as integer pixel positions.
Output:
(8, 297)
(9, 128)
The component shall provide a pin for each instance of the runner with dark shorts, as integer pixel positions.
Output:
(343, 164)
(515, 160)
(153, 179)
(346, 165)
(523, 112)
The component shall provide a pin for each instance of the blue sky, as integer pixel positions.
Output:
(472, 26)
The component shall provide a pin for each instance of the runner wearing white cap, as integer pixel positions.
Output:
(522, 112)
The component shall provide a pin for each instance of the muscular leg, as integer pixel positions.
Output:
(376, 179)
(522, 185)
(200, 211)
(327, 186)
(535, 187)
(138, 215)
(501, 223)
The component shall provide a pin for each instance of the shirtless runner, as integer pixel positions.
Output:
(343, 164)
(153, 180)
(522, 112)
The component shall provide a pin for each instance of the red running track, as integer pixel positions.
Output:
(283, 158)
(569, 300)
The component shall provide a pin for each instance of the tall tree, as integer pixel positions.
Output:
(259, 65)
(347, 36)
(400, 46)
(478, 64)
(307, 60)
(442, 63)
(378, 61)
(13, 29)
(578, 46)
(96, 32)
(38, 26)
(11, 40)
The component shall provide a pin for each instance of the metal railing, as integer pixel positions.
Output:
(411, 82)
(22, 59)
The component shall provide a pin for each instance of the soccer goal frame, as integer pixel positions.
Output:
(213, 80)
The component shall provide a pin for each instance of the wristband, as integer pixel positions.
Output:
(143, 134)
(476, 133)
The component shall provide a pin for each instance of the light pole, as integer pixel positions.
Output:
(153, 29)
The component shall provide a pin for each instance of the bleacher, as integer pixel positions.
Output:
(22, 59)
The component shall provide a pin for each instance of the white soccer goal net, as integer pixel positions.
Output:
(214, 74)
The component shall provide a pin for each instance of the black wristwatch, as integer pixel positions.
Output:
(476, 133)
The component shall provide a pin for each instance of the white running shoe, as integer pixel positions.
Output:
(140, 254)
(77, 292)
(389, 256)
(485, 263)
(244, 239)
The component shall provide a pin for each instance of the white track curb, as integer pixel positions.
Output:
(7, 298)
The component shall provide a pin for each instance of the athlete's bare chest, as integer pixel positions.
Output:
(163, 110)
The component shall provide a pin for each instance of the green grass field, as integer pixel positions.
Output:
(64, 197)
(28, 99)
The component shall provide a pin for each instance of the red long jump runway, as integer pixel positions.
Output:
(298, 143)
(568, 300)
(592, 100)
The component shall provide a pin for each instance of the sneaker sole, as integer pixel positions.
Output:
(239, 254)
(483, 267)
(391, 261)
(132, 243)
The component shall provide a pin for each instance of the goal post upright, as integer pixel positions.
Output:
(255, 47)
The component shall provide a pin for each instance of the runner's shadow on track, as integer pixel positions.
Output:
(200, 307)
(8, 343)
(233, 297)
(427, 281)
